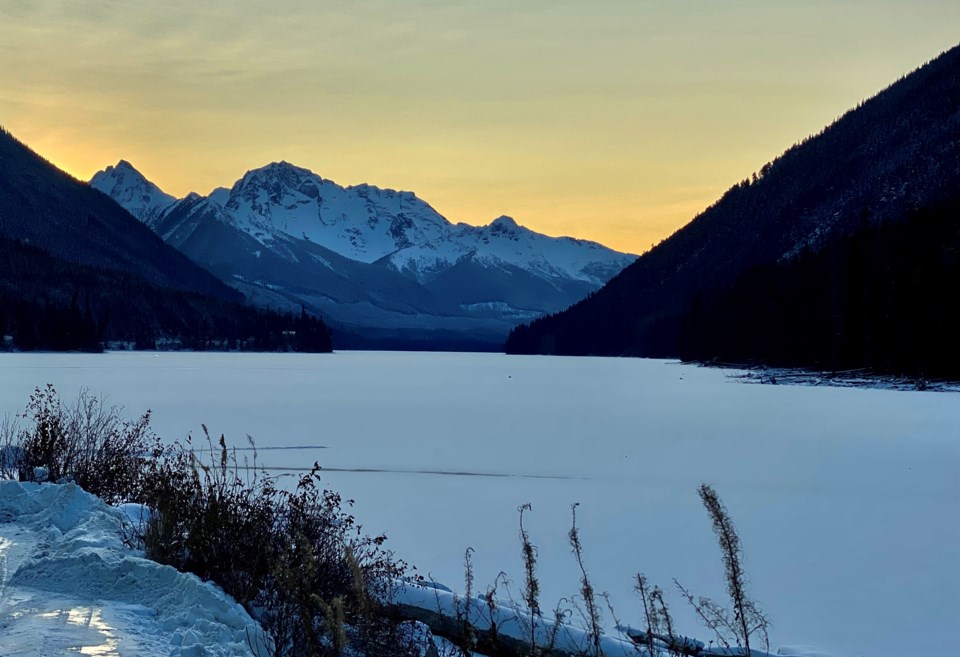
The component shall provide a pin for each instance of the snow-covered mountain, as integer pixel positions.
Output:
(505, 243)
(361, 222)
(372, 259)
(136, 194)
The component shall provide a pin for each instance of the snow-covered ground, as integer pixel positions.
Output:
(845, 498)
(69, 586)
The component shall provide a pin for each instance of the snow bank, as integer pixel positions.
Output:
(69, 579)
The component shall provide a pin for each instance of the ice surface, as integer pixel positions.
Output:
(845, 498)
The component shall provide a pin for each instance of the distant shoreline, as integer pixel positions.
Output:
(856, 378)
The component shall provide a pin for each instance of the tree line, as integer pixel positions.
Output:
(880, 298)
(50, 304)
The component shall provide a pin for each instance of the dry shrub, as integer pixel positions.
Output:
(87, 442)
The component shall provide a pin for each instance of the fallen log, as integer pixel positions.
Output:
(486, 641)
(495, 629)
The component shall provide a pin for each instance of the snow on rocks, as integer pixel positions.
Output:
(504, 243)
(365, 223)
(68, 583)
(130, 189)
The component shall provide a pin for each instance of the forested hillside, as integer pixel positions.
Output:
(50, 304)
(894, 156)
(77, 272)
(882, 298)
(47, 208)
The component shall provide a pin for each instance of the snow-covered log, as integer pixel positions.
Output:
(501, 629)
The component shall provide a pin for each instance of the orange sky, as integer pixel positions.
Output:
(615, 121)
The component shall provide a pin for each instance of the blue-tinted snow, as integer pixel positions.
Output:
(845, 498)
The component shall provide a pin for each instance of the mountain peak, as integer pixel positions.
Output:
(283, 169)
(119, 171)
(126, 185)
(281, 165)
(276, 177)
(505, 225)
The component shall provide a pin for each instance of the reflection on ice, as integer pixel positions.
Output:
(109, 643)
(84, 631)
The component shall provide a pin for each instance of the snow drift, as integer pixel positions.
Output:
(68, 583)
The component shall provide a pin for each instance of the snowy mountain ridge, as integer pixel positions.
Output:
(368, 256)
(367, 223)
(504, 241)
(362, 222)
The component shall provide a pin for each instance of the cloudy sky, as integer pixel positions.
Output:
(614, 120)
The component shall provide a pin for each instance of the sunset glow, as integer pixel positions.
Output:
(615, 121)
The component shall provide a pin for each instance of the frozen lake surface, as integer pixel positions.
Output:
(846, 499)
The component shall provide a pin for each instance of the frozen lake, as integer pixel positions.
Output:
(846, 499)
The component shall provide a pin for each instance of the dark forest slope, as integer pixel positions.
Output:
(882, 298)
(47, 208)
(47, 303)
(881, 162)
(78, 271)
